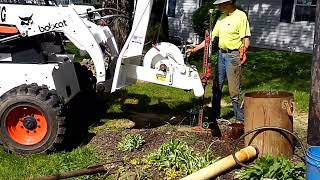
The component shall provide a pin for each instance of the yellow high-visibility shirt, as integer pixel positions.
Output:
(231, 29)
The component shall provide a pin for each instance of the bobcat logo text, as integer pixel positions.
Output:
(53, 26)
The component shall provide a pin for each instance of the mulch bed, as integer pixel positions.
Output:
(106, 145)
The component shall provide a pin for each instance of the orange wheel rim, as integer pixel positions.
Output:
(26, 124)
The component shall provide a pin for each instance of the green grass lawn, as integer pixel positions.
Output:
(279, 71)
(266, 70)
(14, 167)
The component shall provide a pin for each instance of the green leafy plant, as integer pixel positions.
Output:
(177, 158)
(273, 168)
(131, 142)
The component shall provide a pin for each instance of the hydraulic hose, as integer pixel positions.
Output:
(261, 129)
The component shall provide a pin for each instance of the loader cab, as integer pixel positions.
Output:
(39, 49)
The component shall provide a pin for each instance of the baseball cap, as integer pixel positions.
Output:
(220, 1)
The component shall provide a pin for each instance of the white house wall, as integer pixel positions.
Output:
(268, 32)
(87, 2)
(181, 24)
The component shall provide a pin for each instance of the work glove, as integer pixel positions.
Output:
(189, 52)
(243, 55)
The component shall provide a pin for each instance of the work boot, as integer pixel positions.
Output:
(239, 122)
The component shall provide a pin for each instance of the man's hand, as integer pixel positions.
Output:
(190, 51)
(195, 49)
(243, 55)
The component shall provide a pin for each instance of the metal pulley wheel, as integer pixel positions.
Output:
(161, 54)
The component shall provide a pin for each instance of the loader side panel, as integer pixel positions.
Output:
(61, 78)
(13, 75)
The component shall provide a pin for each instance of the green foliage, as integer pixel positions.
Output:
(20, 167)
(273, 168)
(131, 142)
(177, 158)
(201, 17)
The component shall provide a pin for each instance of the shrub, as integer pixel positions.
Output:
(131, 142)
(177, 158)
(273, 168)
(201, 18)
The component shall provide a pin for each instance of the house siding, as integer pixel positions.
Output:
(181, 24)
(268, 32)
(88, 2)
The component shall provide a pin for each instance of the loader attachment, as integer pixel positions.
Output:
(163, 64)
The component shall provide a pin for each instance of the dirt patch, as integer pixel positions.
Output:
(106, 141)
(106, 145)
(149, 120)
(300, 126)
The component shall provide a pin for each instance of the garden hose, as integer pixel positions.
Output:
(261, 129)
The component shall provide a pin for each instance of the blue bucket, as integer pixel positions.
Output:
(313, 163)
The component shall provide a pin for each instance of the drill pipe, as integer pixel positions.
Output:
(223, 165)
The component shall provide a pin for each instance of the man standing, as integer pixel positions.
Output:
(233, 31)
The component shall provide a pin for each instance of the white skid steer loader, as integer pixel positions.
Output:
(37, 78)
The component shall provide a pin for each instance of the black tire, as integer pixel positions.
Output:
(42, 100)
(86, 79)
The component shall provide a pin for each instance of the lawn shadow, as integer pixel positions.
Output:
(83, 111)
(148, 114)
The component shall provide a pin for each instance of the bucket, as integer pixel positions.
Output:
(313, 163)
(233, 131)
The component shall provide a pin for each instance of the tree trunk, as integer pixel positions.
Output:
(314, 104)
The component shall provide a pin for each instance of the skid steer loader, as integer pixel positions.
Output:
(37, 77)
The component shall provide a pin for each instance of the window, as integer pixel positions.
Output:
(171, 11)
(305, 10)
(298, 10)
